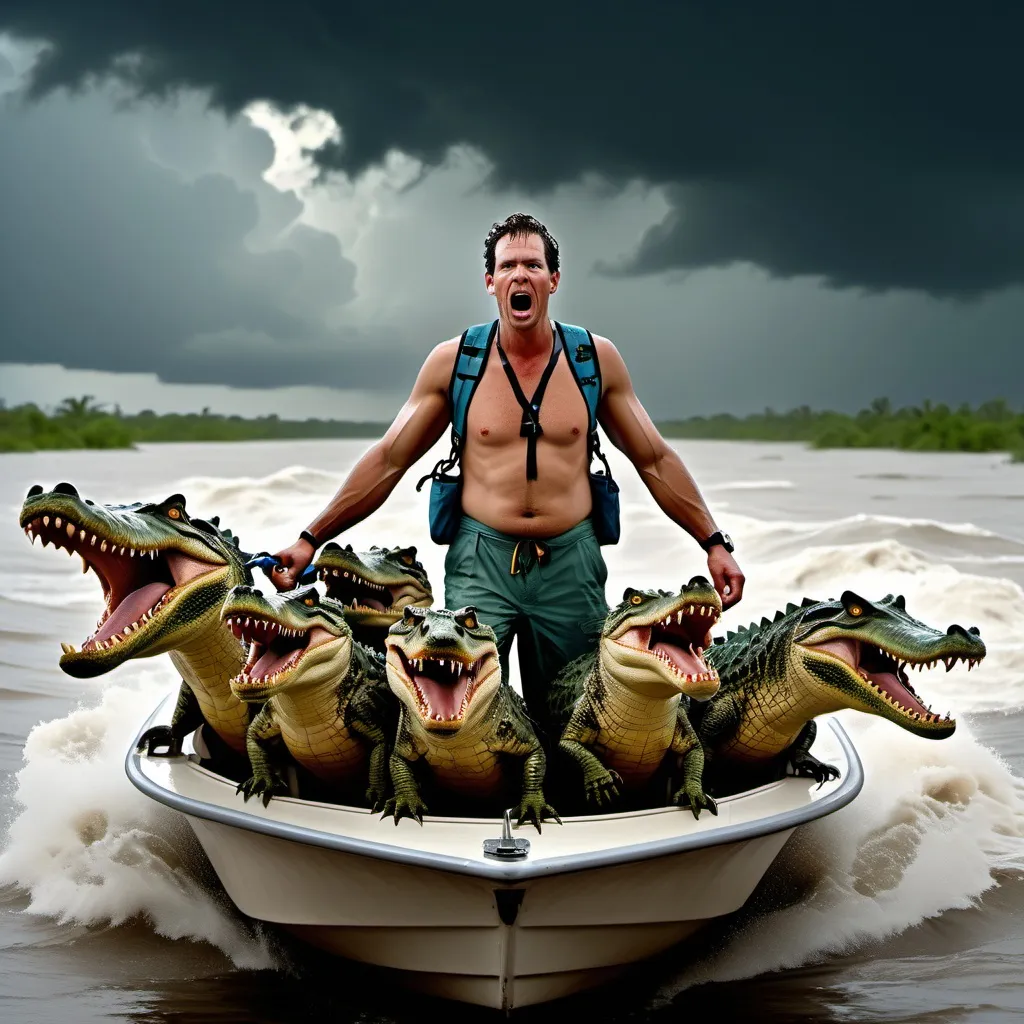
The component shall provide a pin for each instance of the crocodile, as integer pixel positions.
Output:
(622, 707)
(324, 696)
(164, 577)
(375, 586)
(812, 659)
(458, 723)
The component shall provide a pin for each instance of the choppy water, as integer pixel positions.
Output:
(906, 906)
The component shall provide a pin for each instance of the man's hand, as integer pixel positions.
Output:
(727, 576)
(293, 562)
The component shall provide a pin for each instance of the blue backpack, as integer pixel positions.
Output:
(446, 489)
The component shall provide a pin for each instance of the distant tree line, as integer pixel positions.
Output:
(81, 423)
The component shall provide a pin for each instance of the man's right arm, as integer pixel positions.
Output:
(416, 428)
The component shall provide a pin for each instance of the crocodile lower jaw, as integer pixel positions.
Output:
(136, 638)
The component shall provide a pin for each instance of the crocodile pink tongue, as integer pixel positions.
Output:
(683, 660)
(271, 662)
(444, 700)
(133, 606)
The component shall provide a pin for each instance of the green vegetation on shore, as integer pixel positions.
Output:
(992, 426)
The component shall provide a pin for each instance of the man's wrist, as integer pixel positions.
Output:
(716, 539)
(310, 539)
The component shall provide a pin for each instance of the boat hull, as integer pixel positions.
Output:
(593, 896)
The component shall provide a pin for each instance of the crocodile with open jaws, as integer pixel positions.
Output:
(622, 705)
(164, 577)
(375, 587)
(815, 658)
(458, 720)
(323, 695)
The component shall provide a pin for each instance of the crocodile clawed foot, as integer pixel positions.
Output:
(400, 807)
(696, 799)
(534, 809)
(265, 786)
(160, 736)
(375, 798)
(603, 788)
(809, 767)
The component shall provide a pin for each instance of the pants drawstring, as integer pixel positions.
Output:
(527, 553)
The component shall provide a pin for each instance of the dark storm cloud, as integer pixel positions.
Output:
(871, 144)
(112, 260)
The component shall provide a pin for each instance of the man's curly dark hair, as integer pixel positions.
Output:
(518, 225)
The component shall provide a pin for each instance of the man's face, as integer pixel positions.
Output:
(521, 281)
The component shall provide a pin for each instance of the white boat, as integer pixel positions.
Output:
(459, 912)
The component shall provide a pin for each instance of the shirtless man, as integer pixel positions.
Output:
(551, 593)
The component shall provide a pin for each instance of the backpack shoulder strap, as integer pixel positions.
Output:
(470, 362)
(581, 353)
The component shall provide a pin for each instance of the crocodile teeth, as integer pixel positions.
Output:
(56, 522)
(70, 529)
(46, 520)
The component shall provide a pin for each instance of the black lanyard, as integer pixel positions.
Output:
(530, 427)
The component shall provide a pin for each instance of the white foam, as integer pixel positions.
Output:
(934, 824)
(750, 485)
(90, 849)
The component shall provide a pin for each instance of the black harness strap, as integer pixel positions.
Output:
(530, 427)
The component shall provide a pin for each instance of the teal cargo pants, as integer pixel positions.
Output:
(549, 594)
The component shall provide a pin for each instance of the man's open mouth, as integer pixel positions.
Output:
(887, 676)
(274, 648)
(521, 301)
(678, 640)
(443, 686)
(138, 583)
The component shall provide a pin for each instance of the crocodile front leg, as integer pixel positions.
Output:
(721, 719)
(379, 751)
(406, 802)
(186, 719)
(806, 764)
(267, 777)
(686, 743)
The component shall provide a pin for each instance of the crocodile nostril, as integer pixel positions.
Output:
(34, 490)
(66, 488)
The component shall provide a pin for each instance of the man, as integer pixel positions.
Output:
(525, 554)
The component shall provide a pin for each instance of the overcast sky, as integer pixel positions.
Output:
(760, 204)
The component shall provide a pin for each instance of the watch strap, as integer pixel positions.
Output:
(309, 539)
(717, 538)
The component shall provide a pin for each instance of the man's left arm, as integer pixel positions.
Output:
(631, 430)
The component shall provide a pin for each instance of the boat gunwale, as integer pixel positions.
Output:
(508, 872)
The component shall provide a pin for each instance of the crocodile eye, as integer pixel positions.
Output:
(636, 599)
(407, 559)
(308, 602)
(855, 610)
(173, 513)
(469, 622)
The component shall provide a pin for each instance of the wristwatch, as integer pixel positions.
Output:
(718, 538)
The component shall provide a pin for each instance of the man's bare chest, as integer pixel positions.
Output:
(495, 415)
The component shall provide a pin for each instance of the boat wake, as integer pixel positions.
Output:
(89, 849)
(935, 827)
